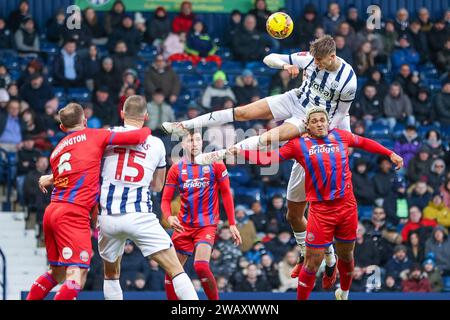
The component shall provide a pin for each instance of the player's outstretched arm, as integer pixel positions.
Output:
(127, 138)
(281, 61)
(372, 146)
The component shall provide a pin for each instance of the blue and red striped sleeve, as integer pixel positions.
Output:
(169, 191)
(223, 180)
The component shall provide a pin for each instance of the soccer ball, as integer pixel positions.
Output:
(279, 25)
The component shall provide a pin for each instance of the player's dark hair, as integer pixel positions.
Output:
(322, 47)
(71, 115)
(135, 107)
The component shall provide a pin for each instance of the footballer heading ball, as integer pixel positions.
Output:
(279, 25)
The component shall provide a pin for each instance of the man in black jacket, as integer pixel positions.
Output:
(128, 33)
(249, 44)
(441, 110)
(362, 185)
(104, 107)
(37, 92)
(68, 69)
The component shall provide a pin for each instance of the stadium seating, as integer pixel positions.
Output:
(378, 131)
(446, 281)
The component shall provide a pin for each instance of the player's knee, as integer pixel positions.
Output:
(201, 267)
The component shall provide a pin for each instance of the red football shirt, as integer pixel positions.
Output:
(76, 163)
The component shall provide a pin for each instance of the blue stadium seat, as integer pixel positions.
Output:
(378, 131)
(388, 143)
(60, 92)
(238, 175)
(191, 80)
(445, 131)
(48, 47)
(361, 81)
(260, 68)
(247, 196)
(79, 94)
(15, 74)
(446, 282)
(271, 191)
(147, 55)
(398, 129)
(208, 67)
(195, 93)
(422, 130)
(365, 212)
(234, 67)
(182, 66)
(224, 53)
(264, 81)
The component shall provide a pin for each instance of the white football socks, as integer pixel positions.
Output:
(112, 290)
(183, 287)
(330, 258)
(300, 238)
(215, 118)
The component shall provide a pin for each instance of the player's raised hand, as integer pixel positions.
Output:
(397, 160)
(236, 235)
(45, 181)
(175, 224)
(292, 70)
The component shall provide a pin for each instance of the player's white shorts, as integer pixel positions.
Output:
(296, 185)
(143, 229)
(286, 106)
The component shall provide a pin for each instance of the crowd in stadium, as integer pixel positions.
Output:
(403, 101)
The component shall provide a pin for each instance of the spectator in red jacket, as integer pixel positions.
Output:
(183, 22)
(416, 222)
(416, 280)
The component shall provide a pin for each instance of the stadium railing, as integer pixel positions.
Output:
(3, 280)
(7, 173)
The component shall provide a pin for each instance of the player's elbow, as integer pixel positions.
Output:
(267, 59)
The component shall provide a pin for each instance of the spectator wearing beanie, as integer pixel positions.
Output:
(439, 246)
(433, 274)
(246, 89)
(37, 92)
(127, 33)
(215, 94)
(419, 165)
(398, 263)
(422, 106)
(415, 280)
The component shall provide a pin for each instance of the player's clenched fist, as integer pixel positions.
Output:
(397, 160)
(292, 70)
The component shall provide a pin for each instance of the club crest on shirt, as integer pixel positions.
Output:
(205, 169)
(334, 85)
(184, 171)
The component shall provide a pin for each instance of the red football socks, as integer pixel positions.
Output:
(345, 273)
(68, 291)
(207, 279)
(306, 280)
(41, 287)
(170, 291)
